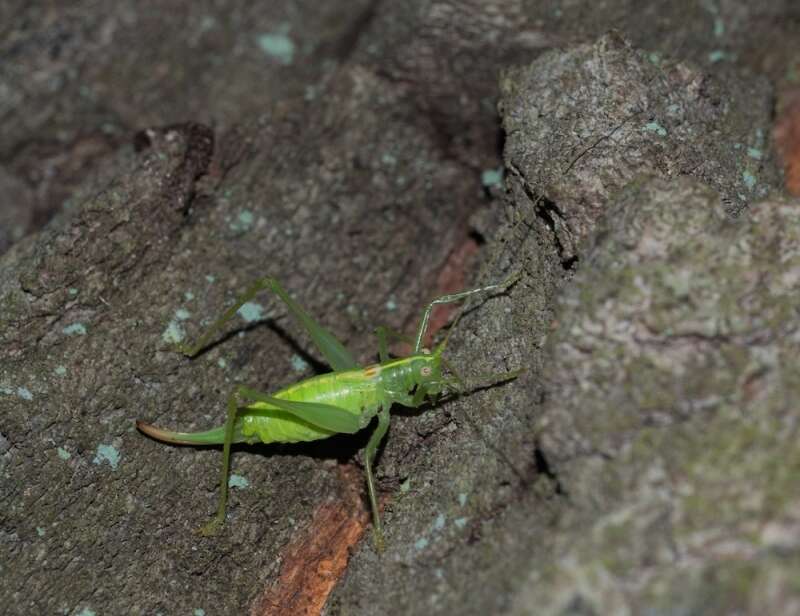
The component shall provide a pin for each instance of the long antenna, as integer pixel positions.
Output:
(454, 297)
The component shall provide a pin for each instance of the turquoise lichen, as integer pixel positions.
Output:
(173, 334)
(40, 531)
(76, 329)
(421, 543)
(749, 179)
(716, 56)
(107, 453)
(299, 364)
(60, 370)
(391, 305)
(278, 45)
(244, 221)
(755, 153)
(656, 128)
(492, 177)
(63, 453)
(237, 481)
(22, 392)
(251, 311)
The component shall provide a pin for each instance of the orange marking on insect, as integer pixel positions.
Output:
(372, 371)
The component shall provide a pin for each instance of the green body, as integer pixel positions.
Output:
(350, 391)
(343, 401)
(361, 392)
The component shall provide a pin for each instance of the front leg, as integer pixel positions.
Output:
(383, 334)
(369, 458)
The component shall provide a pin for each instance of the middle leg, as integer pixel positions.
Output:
(369, 458)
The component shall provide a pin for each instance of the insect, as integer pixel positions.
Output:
(343, 401)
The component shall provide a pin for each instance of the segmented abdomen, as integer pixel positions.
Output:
(351, 391)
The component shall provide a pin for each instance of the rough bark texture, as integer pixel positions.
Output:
(505, 498)
(671, 419)
(646, 460)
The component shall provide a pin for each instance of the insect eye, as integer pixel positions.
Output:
(425, 371)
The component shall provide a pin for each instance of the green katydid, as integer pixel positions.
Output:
(343, 401)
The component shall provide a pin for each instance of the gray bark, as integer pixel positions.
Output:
(645, 460)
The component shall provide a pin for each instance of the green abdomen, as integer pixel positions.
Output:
(350, 391)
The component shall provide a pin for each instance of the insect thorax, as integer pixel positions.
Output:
(406, 373)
